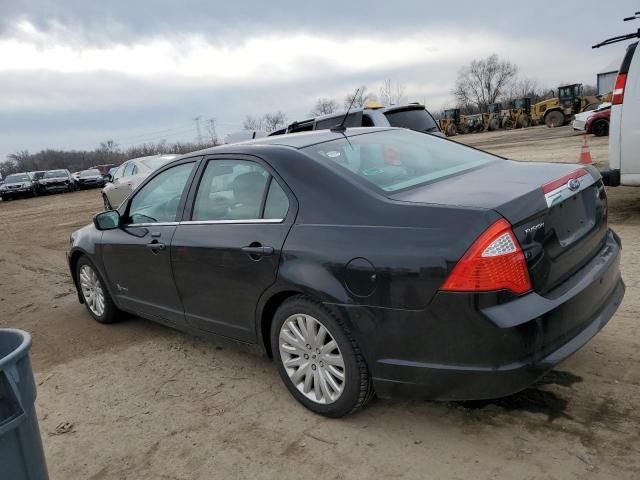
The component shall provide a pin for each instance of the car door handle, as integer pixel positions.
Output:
(156, 247)
(258, 251)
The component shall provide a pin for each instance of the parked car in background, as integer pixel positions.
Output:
(37, 176)
(580, 119)
(18, 185)
(54, 181)
(75, 175)
(598, 123)
(91, 178)
(413, 116)
(128, 176)
(365, 260)
(104, 169)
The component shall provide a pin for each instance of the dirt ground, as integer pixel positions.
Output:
(147, 402)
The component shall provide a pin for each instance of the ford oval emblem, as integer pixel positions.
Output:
(573, 184)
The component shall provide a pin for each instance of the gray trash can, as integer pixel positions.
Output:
(21, 454)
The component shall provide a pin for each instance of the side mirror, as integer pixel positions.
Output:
(108, 220)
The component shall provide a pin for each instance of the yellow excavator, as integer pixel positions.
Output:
(559, 110)
(451, 124)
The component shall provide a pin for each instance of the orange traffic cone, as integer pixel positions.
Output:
(585, 154)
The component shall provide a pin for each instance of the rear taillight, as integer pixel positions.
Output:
(618, 89)
(494, 262)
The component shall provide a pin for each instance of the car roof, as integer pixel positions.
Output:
(293, 140)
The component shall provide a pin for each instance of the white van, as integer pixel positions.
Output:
(624, 127)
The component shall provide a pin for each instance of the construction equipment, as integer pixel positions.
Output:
(473, 123)
(451, 123)
(559, 110)
(519, 116)
(493, 118)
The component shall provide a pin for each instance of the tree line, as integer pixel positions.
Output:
(107, 153)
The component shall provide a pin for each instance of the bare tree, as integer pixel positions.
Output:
(253, 123)
(274, 121)
(484, 81)
(324, 106)
(360, 97)
(390, 93)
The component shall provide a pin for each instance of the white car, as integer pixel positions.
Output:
(128, 176)
(580, 119)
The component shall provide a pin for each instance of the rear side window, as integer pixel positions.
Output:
(416, 119)
(277, 204)
(352, 120)
(129, 169)
(230, 190)
(393, 160)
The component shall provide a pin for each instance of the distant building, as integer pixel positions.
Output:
(607, 78)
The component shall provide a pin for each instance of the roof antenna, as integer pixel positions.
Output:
(341, 128)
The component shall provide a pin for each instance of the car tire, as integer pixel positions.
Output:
(104, 311)
(332, 382)
(600, 128)
(554, 118)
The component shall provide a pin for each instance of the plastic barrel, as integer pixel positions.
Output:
(21, 454)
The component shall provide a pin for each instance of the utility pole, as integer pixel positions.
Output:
(211, 128)
(199, 133)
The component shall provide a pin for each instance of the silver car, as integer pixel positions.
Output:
(128, 176)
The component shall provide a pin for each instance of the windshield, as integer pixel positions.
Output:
(91, 173)
(55, 173)
(414, 119)
(393, 160)
(155, 163)
(18, 177)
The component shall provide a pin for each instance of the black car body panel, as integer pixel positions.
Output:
(18, 185)
(378, 260)
(89, 180)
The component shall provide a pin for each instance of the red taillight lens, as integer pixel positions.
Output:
(618, 90)
(494, 262)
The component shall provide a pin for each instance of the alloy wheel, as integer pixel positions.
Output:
(312, 359)
(92, 290)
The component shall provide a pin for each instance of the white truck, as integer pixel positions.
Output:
(624, 126)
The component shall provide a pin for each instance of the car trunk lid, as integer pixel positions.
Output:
(558, 212)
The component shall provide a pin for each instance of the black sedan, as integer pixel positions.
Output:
(55, 181)
(91, 178)
(371, 260)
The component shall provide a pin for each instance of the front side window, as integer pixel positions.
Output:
(393, 160)
(129, 169)
(159, 199)
(230, 190)
(118, 173)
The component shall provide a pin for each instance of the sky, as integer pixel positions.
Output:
(74, 73)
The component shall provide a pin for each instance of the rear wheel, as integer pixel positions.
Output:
(94, 293)
(451, 130)
(523, 120)
(554, 119)
(494, 124)
(600, 128)
(318, 360)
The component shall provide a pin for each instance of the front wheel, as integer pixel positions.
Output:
(94, 293)
(554, 119)
(318, 360)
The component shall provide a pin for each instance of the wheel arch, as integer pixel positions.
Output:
(266, 313)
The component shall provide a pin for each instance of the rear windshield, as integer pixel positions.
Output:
(154, 163)
(55, 173)
(393, 160)
(416, 119)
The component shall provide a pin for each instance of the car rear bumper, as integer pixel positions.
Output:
(465, 346)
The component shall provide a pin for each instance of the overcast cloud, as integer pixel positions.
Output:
(74, 73)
